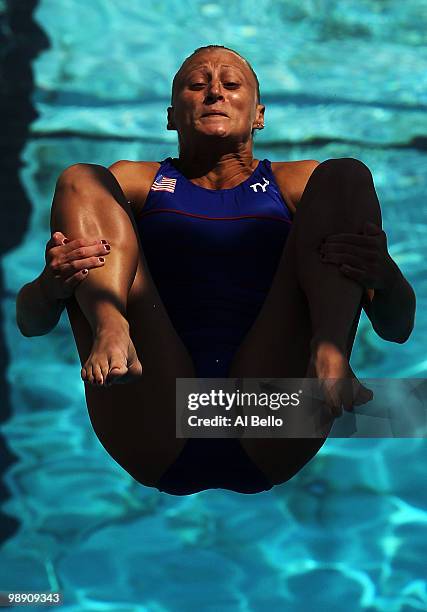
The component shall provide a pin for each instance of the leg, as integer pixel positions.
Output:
(88, 201)
(135, 422)
(299, 309)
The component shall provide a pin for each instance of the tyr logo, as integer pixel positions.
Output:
(263, 187)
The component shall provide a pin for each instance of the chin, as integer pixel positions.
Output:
(216, 133)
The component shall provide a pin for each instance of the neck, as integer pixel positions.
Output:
(215, 168)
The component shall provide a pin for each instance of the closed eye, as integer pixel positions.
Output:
(231, 84)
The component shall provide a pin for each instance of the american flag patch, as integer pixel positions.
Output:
(163, 183)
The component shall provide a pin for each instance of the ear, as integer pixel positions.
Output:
(171, 124)
(259, 116)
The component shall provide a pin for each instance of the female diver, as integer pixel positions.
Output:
(213, 268)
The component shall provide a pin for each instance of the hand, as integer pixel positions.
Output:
(364, 258)
(65, 262)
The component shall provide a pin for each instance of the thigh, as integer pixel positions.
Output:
(135, 422)
(278, 346)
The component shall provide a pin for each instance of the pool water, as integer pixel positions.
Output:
(341, 78)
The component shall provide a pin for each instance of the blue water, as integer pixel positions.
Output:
(339, 78)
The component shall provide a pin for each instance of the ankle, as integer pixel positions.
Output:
(114, 323)
(321, 344)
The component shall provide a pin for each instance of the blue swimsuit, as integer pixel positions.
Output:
(212, 255)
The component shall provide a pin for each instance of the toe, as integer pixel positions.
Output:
(90, 377)
(117, 370)
(135, 369)
(104, 372)
(363, 395)
(97, 374)
(348, 394)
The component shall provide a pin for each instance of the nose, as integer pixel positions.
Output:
(214, 90)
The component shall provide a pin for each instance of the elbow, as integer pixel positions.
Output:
(22, 329)
(406, 337)
(19, 318)
(28, 334)
(410, 327)
(23, 332)
(393, 337)
(397, 335)
(399, 340)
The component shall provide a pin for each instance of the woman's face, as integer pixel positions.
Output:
(215, 80)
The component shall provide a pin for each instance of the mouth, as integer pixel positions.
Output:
(213, 113)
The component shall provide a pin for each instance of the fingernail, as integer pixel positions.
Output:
(65, 241)
(104, 241)
(85, 271)
(107, 247)
(101, 259)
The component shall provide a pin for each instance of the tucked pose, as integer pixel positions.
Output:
(215, 264)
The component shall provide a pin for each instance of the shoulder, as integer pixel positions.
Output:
(292, 177)
(135, 179)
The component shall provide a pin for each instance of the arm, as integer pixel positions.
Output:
(391, 303)
(39, 304)
(37, 313)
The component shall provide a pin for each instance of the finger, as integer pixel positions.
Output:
(86, 252)
(80, 243)
(82, 256)
(55, 240)
(78, 249)
(77, 265)
(356, 274)
(71, 283)
(362, 240)
(58, 237)
(364, 253)
(347, 259)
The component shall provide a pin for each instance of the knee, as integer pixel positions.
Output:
(75, 174)
(347, 168)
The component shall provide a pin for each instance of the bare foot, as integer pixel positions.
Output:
(337, 380)
(113, 358)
